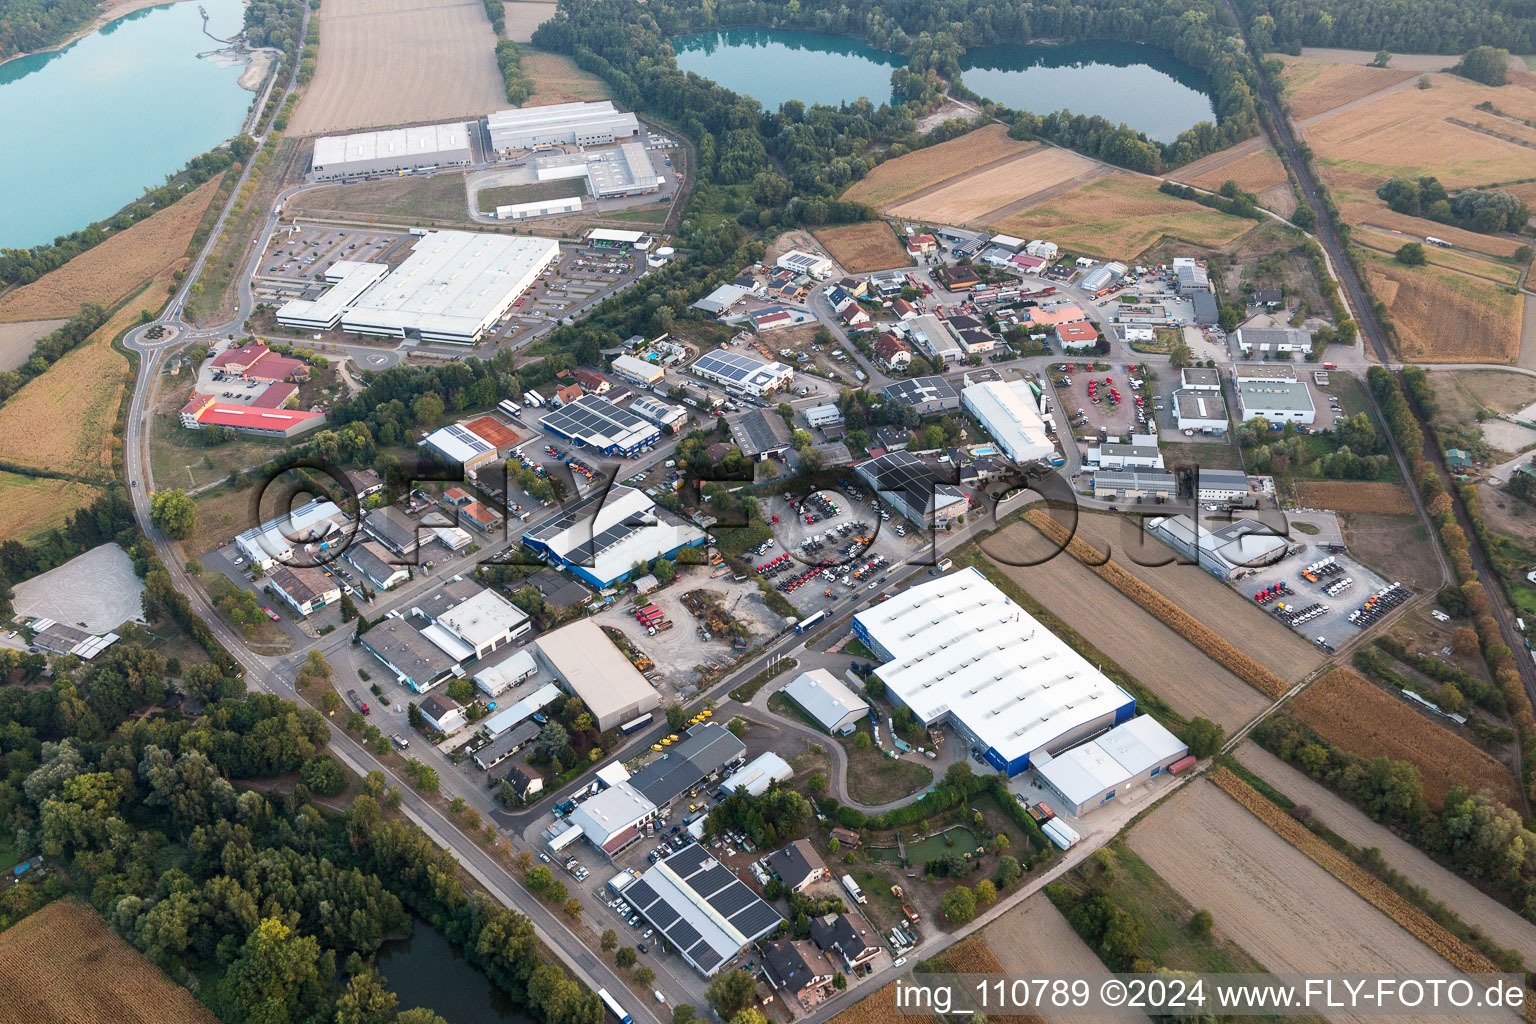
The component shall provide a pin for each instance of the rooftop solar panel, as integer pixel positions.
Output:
(732, 899)
(756, 919)
(682, 934)
(640, 894)
(688, 859)
(706, 958)
(710, 881)
(663, 916)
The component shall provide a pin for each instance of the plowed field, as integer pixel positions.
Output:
(972, 198)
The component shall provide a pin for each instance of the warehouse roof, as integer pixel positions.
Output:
(1116, 757)
(459, 444)
(600, 423)
(1281, 396)
(642, 369)
(1200, 405)
(759, 431)
(919, 484)
(921, 389)
(395, 143)
(743, 370)
(409, 650)
(722, 298)
(514, 714)
(1010, 413)
(705, 750)
(594, 668)
(962, 647)
(1135, 479)
(824, 697)
(1200, 377)
(610, 812)
(706, 912)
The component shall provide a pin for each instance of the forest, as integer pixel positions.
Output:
(1402, 26)
(27, 25)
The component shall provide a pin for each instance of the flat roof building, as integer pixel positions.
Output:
(665, 415)
(760, 433)
(935, 337)
(595, 422)
(611, 818)
(554, 124)
(759, 773)
(582, 657)
(278, 539)
(1243, 373)
(637, 371)
(391, 150)
(1094, 773)
(603, 536)
(1240, 544)
(1010, 413)
(476, 620)
(497, 679)
(1199, 378)
(452, 288)
(392, 528)
(702, 909)
(1221, 484)
(1276, 401)
(805, 263)
(1157, 484)
(347, 281)
(929, 396)
(827, 700)
(742, 374)
(958, 650)
(1272, 340)
(414, 659)
(1200, 410)
(913, 488)
(623, 170)
(457, 443)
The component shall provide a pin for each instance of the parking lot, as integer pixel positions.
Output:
(1107, 398)
(298, 258)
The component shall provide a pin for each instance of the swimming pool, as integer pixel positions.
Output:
(983, 450)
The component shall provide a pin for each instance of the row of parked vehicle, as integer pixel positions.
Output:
(1293, 616)
(1338, 587)
(1379, 603)
(1321, 570)
(1271, 594)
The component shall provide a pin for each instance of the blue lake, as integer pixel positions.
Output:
(89, 127)
(1141, 86)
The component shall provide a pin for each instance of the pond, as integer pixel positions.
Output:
(930, 848)
(89, 127)
(1142, 86)
(427, 970)
(1127, 83)
(775, 65)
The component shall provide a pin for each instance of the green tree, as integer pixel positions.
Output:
(959, 774)
(610, 940)
(314, 668)
(173, 512)
(730, 992)
(1203, 737)
(959, 905)
(986, 892)
(1009, 870)
(1122, 939)
(1201, 922)
(625, 957)
(366, 1000)
(684, 1013)
(1486, 64)
(323, 774)
(817, 783)
(644, 975)
(1411, 255)
(677, 717)
(277, 977)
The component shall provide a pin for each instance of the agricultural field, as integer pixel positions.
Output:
(1135, 640)
(999, 190)
(18, 339)
(63, 965)
(1355, 496)
(1466, 397)
(524, 16)
(30, 506)
(1250, 163)
(1120, 216)
(1313, 86)
(382, 63)
(861, 248)
(1445, 317)
(62, 420)
(111, 271)
(1348, 711)
(1498, 922)
(1389, 242)
(1034, 939)
(904, 175)
(877, 1008)
(1221, 609)
(1288, 913)
(557, 79)
(1397, 546)
(1360, 206)
(439, 198)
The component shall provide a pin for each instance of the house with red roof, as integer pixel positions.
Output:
(206, 411)
(257, 362)
(1077, 335)
(892, 352)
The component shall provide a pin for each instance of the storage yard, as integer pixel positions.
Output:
(1267, 896)
(1348, 711)
(1139, 643)
(384, 66)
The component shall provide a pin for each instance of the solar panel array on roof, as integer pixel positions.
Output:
(469, 437)
(600, 423)
(735, 367)
(701, 907)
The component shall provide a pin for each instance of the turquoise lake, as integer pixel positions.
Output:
(90, 126)
(1141, 86)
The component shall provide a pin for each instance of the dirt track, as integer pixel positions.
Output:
(397, 62)
(1166, 663)
(1286, 911)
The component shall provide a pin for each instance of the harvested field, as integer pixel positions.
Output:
(17, 340)
(975, 956)
(1410, 132)
(1501, 924)
(1170, 613)
(63, 965)
(1445, 317)
(1267, 896)
(903, 175)
(1121, 216)
(1130, 636)
(1350, 712)
(62, 420)
(1033, 939)
(1398, 547)
(1461, 262)
(108, 273)
(1220, 608)
(30, 506)
(986, 194)
(557, 79)
(382, 63)
(1315, 86)
(524, 16)
(860, 248)
(1355, 496)
(1360, 206)
(1256, 173)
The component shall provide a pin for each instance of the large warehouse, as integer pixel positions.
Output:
(828, 700)
(582, 657)
(1009, 411)
(387, 152)
(701, 755)
(624, 170)
(559, 124)
(1240, 544)
(743, 374)
(603, 536)
(702, 909)
(914, 488)
(595, 422)
(1096, 772)
(452, 287)
(957, 650)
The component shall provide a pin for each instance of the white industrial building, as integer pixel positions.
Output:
(507, 718)
(452, 287)
(1199, 378)
(1276, 401)
(1245, 373)
(742, 374)
(602, 537)
(497, 679)
(1220, 484)
(1010, 413)
(623, 170)
(759, 773)
(274, 541)
(819, 416)
(1135, 484)
(805, 263)
(539, 208)
(637, 371)
(828, 700)
(1224, 553)
(663, 414)
(1200, 410)
(559, 124)
(935, 337)
(1263, 341)
(391, 151)
(347, 280)
(594, 422)
(469, 621)
(1102, 278)
(582, 657)
(957, 650)
(610, 819)
(701, 908)
(1141, 453)
(1096, 772)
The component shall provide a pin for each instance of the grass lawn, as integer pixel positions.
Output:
(179, 461)
(642, 215)
(747, 690)
(506, 195)
(1206, 456)
(874, 778)
(1164, 338)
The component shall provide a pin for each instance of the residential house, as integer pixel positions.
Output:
(840, 938)
(443, 714)
(798, 969)
(903, 309)
(524, 784)
(892, 352)
(797, 865)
